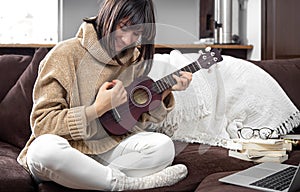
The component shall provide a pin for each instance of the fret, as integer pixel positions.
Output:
(160, 86)
(197, 65)
(166, 86)
(193, 67)
(142, 99)
(169, 80)
(206, 60)
(173, 80)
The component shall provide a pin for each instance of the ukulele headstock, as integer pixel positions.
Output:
(209, 57)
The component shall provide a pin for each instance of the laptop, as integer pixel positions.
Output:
(263, 176)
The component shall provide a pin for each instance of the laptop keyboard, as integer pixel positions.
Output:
(278, 181)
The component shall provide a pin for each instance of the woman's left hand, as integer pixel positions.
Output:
(183, 81)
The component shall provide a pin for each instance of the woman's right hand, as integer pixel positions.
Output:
(109, 96)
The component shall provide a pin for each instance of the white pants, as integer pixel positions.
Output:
(51, 158)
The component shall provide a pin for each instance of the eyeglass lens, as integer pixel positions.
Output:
(248, 133)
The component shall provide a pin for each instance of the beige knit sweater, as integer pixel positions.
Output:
(68, 81)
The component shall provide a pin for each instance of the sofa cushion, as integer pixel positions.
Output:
(287, 74)
(201, 160)
(16, 106)
(11, 67)
(13, 176)
(211, 184)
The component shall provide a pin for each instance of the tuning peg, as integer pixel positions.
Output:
(212, 54)
(200, 52)
(207, 49)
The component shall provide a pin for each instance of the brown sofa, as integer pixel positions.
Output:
(205, 163)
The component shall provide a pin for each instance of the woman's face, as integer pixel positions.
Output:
(126, 35)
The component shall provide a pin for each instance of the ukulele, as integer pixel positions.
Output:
(145, 95)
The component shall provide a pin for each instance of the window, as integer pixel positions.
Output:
(30, 21)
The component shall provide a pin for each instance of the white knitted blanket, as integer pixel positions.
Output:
(232, 94)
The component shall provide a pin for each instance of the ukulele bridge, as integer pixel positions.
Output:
(116, 115)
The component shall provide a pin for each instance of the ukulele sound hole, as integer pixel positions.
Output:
(140, 96)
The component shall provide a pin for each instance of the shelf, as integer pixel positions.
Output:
(201, 46)
(174, 46)
(29, 45)
(239, 51)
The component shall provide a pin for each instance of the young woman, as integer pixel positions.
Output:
(81, 79)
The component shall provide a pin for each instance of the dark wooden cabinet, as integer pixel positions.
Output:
(280, 29)
(206, 18)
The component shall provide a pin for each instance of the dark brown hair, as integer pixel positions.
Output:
(137, 13)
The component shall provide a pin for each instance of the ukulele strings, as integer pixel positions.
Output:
(167, 82)
(131, 105)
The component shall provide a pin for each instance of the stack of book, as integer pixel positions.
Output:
(293, 138)
(258, 150)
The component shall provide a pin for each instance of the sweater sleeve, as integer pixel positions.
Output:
(51, 112)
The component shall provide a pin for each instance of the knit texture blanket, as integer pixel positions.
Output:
(230, 95)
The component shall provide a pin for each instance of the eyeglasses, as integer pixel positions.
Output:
(248, 133)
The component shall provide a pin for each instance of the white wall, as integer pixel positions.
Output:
(73, 11)
(177, 21)
(254, 28)
(246, 22)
